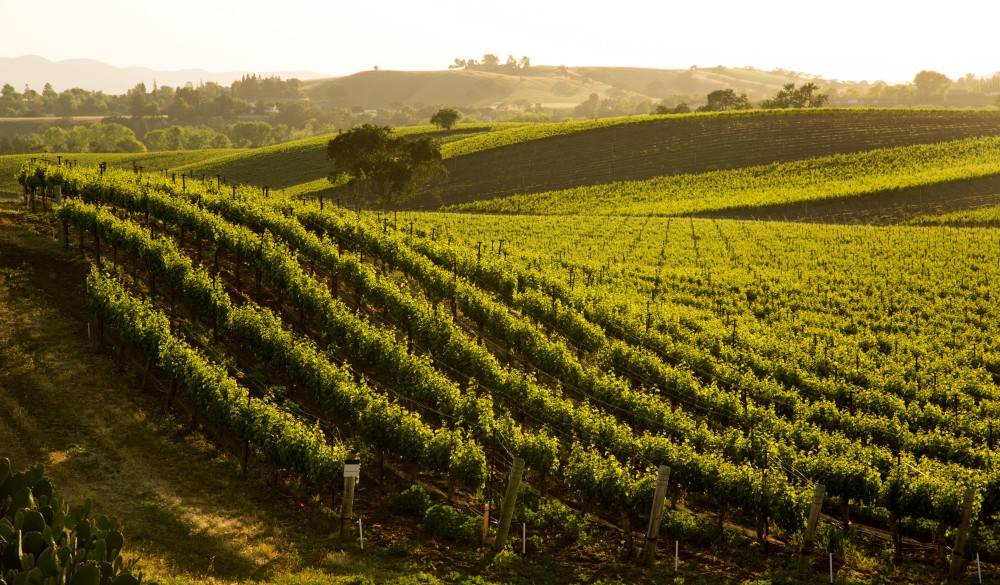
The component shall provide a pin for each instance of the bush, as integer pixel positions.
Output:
(443, 521)
(555, 518)
(413, 501)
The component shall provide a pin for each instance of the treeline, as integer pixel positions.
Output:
(249, 95)
(115, 137)
(491, 62)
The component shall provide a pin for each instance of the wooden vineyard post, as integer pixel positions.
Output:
(510, 498)
(656, 515)
(963, 534)
(814, 510)
(352, 471)
(64, 234)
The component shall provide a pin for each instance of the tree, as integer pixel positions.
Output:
(254, 134)
(377, 163)
(681, 108)
(803, 97)
(931, 86)
(725, 99)
(445, 118)
(138, 100)
(588, 109)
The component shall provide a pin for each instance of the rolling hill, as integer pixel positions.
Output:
(552, 87)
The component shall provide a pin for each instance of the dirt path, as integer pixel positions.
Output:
(186, 507)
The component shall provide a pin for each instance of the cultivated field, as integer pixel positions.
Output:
(594, 333)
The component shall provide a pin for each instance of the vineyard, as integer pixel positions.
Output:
(922, 170)
(597, 335)
(593, 348)
(540, 159)
(487, 161)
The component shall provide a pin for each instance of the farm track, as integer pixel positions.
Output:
(673, 146)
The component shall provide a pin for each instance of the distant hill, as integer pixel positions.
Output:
(91, 75)
(553, 87)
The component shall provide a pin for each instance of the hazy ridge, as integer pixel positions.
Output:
(92, 75)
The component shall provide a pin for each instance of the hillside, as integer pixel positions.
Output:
(598, 333)
(695, 143)
(552, 87)
(487, 161)
(152, 162)
(587, 354)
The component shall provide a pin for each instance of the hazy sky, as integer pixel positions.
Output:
(847, 39)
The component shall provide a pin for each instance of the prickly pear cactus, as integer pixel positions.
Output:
(44, 541)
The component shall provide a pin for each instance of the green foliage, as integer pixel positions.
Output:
(442, 521)
(98, 137)
(413, 501)
(792, 97)
(838, 176)
(722, 100)
(445, 118)
(681, 108)
(931, 86)
(388, 426)
(645, 384)
(382, 166)
(555, 518)
(185, 138)
(254, 134)
(45, 541)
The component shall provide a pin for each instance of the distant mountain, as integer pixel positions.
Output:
(552, 87)
(91, 75)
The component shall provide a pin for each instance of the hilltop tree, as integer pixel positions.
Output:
(445, 118)
(806, 96)
(722, 100)
(378, 164)
(661, 109)
(931, 86)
